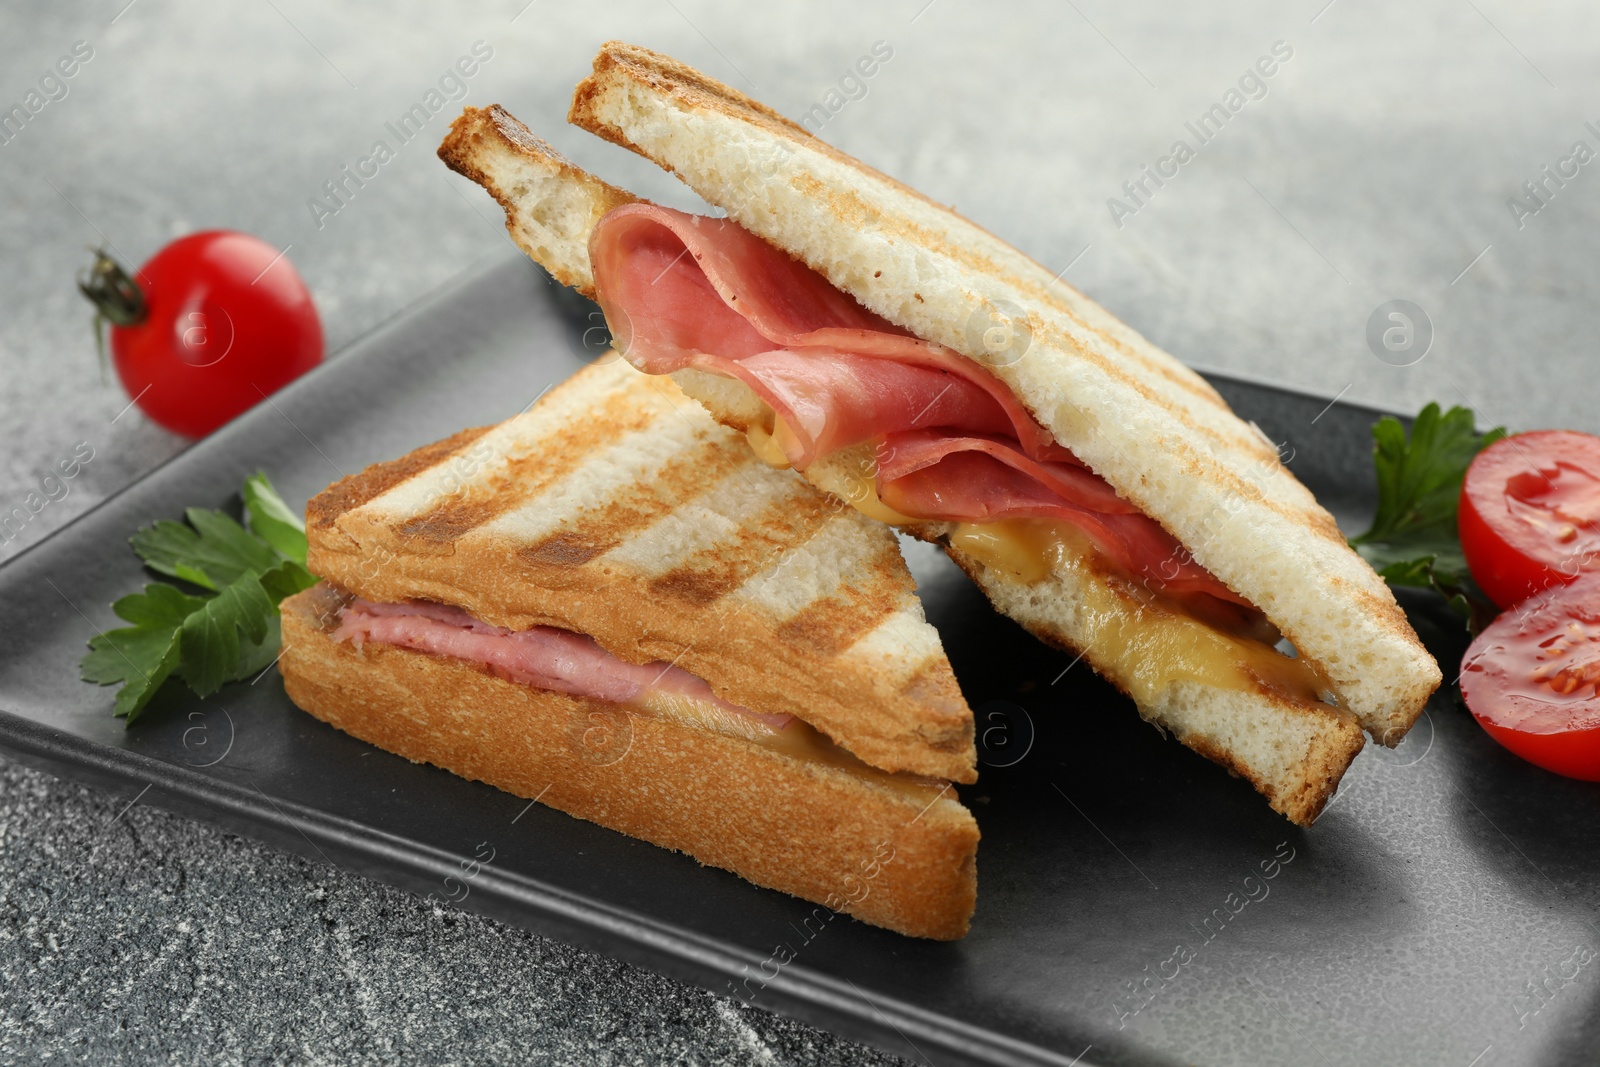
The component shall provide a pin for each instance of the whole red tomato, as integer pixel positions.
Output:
(211, 325)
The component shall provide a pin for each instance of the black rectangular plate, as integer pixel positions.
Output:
(1124, 910)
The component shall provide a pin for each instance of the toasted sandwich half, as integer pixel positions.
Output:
(902, 358)
(606, 603)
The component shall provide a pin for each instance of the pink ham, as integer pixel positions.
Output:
(998, 482)
(543, 657)
(954, 443)
(682, 290)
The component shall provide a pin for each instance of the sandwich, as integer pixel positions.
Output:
(606, 603)
(909, 362)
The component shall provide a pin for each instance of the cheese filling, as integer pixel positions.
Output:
(1165, 639)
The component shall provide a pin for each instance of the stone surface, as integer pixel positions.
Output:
(1377, 164)
(129, 934)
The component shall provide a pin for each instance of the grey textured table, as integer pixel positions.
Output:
(1379, 161)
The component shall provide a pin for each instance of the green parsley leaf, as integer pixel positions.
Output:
(213, 551)
(256, 656)
(209, 638)
(136, 694)
(287, 579)
(230, 633)
(272, 521)
(143, 655)
(1413, 539)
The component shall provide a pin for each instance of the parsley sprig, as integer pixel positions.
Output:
(230, 630)
(1413, 539)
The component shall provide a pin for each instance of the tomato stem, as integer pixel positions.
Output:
(116, 297)
(98, 325)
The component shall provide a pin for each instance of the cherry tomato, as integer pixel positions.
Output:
(213, 323)
(1530, 513)
(1531, 679)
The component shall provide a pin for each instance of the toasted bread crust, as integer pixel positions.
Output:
(1173, 447)
(668, 76)
(617, 508)
(490, 147)
(807, 829)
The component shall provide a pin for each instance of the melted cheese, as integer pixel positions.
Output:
(1163, 642)
(766, 447)
(1024, 550)
(860, 489)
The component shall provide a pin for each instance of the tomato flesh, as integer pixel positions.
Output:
(1529, 517)
(1532, 679)
(228, 321)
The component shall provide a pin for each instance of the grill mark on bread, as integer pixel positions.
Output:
(488, 494)
(850, 207)
(572, 549)
(1040, 292)
(637, 506)
(1178, 374)
(837, 199)
(830, 625)
(712, 573)
(689, 87)
(851, 699)
(864, 214)
(937, 689)
(1316, 519)
(1045, 290)
(853, 209)
(353, 491)
(1058, 337)
(683, 81)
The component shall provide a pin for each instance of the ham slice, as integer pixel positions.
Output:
(997, 482)
(681, 290)
(953, 442)
(543, 657)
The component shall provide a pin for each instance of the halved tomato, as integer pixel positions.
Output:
(1530, 513)
(1532, 679)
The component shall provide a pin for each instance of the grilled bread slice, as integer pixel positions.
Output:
(551, 204)
(617, 508)
(1152, 428)
(1292, 749)
(892, 853)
